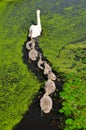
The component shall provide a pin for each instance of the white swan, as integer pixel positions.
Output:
(46, 103)
(49, 86)
(36, 29)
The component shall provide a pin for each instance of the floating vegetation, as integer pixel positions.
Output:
(63, 44)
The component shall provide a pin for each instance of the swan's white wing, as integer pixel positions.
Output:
(35, 31)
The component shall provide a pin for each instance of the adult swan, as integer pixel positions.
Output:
(36, 29)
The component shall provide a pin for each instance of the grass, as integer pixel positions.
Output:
(63, 43)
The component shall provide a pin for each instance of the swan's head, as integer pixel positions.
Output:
(38, 11)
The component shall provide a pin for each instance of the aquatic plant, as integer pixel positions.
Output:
(74, 95)
(63, 43)
(17, 85)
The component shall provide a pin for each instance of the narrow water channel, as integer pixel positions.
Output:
(34, 119)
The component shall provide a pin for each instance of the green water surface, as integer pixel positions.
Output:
(63, 42)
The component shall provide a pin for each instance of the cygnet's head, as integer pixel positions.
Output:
(38, 11)
(45, 62)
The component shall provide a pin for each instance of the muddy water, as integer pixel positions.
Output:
(34, 119)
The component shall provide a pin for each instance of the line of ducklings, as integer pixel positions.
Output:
(46, 102)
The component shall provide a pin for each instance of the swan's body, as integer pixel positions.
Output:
(51, 76)
(50, 87)
(36, 29)
(47, 68)
(46, 104)
(40, 62)
(33, 54)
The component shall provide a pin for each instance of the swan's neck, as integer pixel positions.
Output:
(38, 19)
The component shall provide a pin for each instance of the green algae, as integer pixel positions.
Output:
(60, 34)
(17, 85)
(63, 43)
(75, 102)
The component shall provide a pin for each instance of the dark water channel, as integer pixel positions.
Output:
(34, 119)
